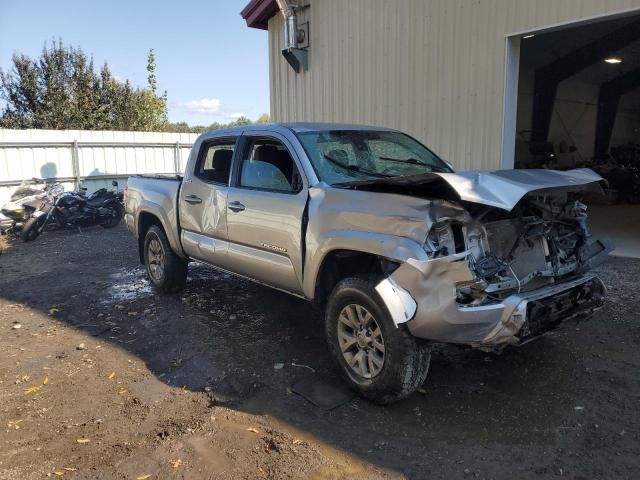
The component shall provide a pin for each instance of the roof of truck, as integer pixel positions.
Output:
(298, 127)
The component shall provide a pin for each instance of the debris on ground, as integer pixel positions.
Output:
(188, 382)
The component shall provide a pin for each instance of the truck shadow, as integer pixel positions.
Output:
(223, 336)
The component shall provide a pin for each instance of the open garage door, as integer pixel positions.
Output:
(578, 105)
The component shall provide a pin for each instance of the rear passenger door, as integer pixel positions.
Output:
(266, 203)
(203, 202)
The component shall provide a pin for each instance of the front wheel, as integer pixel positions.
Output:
(167, 271)
(33, 228)
(381, 361)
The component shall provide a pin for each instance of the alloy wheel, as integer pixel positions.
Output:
(361, 341)
(156, 259)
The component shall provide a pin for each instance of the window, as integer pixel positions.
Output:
(269, 166)
(215, 165)
(340, 156)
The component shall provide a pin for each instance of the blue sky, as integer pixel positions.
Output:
(210, 63)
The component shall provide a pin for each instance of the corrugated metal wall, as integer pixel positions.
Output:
(432, 68)
(26, 154)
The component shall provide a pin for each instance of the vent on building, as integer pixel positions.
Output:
(294, 37)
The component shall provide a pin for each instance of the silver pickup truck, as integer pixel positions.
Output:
(398, 250)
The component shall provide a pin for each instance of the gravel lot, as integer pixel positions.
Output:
(100, 378)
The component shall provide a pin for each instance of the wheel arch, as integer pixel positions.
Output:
(341, 263)
(335, 244)
(145, 221)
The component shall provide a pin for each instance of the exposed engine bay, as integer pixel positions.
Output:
(543, 240)
(509, 257)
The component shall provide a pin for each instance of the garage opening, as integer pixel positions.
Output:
(578, 105)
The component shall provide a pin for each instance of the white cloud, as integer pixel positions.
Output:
(204, 105)
(235, 115)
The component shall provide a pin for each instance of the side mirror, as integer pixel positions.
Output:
(449, 164)
(114, 183)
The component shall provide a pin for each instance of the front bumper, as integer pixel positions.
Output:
(423, 295)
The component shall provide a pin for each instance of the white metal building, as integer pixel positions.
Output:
(456, 74)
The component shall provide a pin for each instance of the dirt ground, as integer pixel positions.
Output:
(100, 378)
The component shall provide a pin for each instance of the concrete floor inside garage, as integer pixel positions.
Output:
(578, 105)
(620, 223)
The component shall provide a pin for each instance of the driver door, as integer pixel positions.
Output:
(265, 208)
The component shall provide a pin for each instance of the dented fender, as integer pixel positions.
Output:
(391, 226)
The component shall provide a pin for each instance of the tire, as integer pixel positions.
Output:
(115, 220)
(33, 228)
(166, 270)
(405, 359)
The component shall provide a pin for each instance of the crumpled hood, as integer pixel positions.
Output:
(505, 188)
(500, 188)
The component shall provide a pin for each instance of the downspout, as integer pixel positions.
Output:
(296, 57)
(290, 24)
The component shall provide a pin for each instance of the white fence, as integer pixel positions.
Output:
(91, 159)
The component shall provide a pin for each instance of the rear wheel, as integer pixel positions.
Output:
(33, 228)
(167, 271)
(118, 213)
(381, 361)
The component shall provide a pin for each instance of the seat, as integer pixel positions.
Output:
(276, 157)
(260, 174)
(220, 166)
(96, 201)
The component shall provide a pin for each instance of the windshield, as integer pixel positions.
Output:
(340, 156)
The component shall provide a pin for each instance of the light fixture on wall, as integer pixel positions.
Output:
(613, 60)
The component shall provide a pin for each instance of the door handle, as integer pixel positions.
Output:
(236, 206)
(192, 199)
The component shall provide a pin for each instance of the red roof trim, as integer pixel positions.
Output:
(258, 12)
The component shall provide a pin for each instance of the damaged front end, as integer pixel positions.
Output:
(501, 275)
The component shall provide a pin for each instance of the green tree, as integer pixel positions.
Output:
(240, 121)
(184, 127)
(61, 90)
(264, 118)
(152, 109)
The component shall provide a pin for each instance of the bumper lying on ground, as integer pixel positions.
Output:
(423, 295)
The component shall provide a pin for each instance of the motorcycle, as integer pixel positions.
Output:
(75, 210)
(22, 204)
(119, 194)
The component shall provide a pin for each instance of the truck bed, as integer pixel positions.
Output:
(157, 195)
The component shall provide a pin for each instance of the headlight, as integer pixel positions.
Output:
(445, 238)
